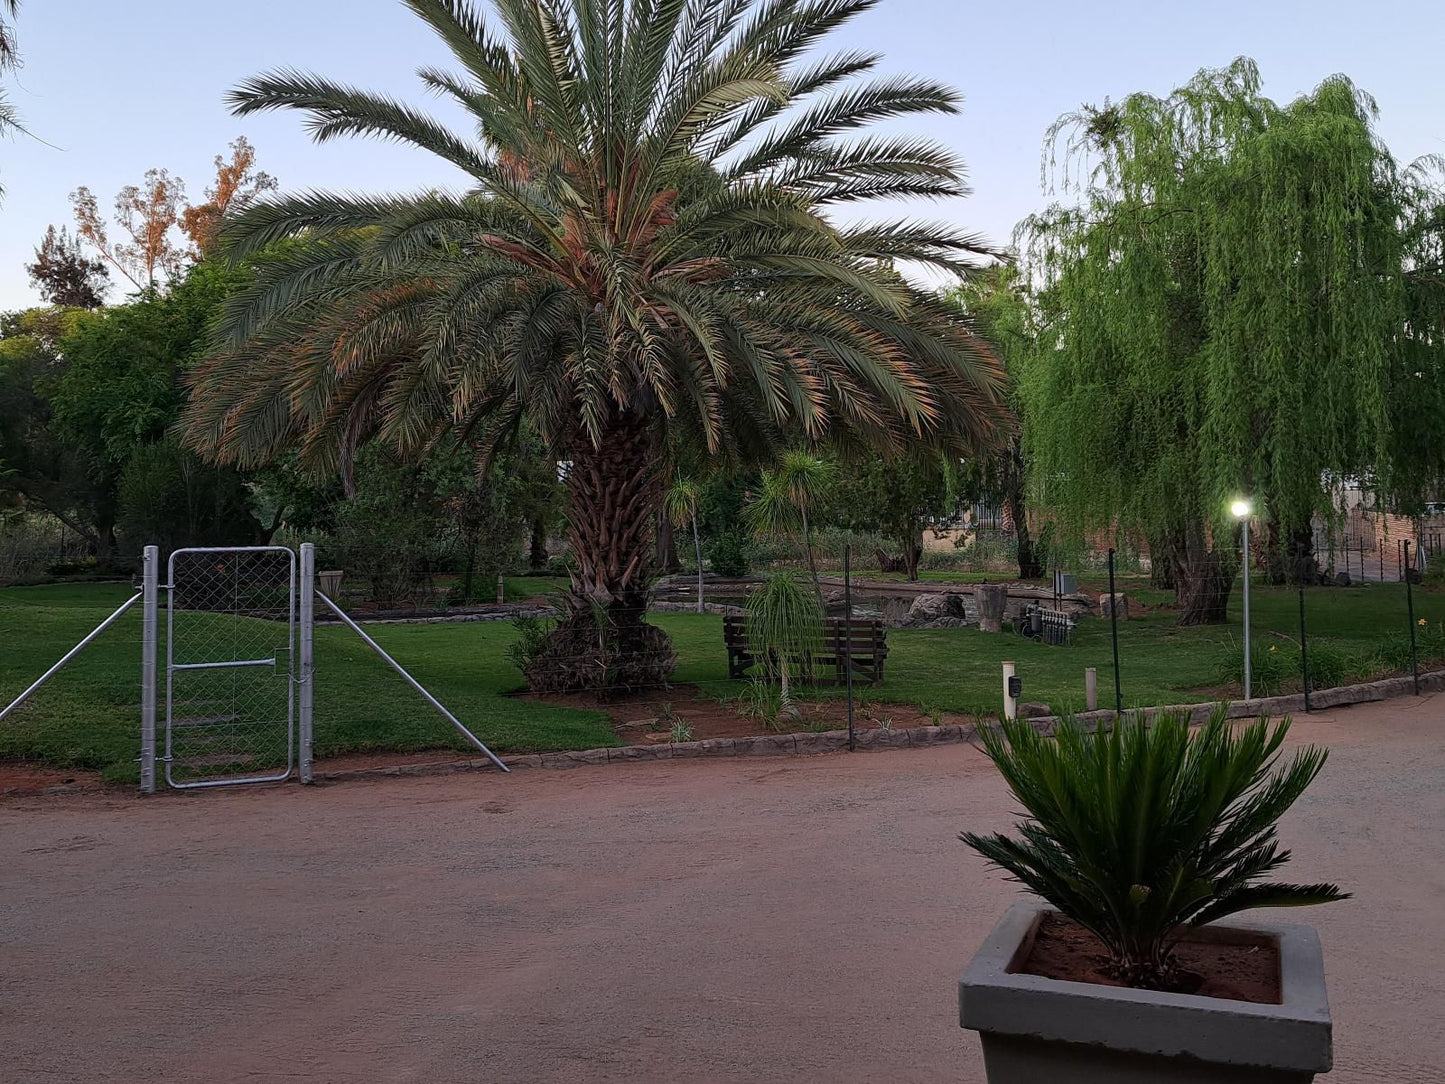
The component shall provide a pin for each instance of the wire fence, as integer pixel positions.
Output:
(936, 667)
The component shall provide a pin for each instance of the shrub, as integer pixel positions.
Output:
(1272, 662)
(1330, 666)
(730, 554)
(1142, 831)
(531, 635)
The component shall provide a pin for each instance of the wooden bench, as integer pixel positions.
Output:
(866, 640)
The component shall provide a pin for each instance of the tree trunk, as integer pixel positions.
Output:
(808, 550)
(912, 553)
(537, 553)
(1161, 565)
(1203, 577)
(667, 561)
(1031, 566)
(697, 551)
(602, 641)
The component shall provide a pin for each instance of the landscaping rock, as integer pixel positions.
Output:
(1342, 579)
(930, 610)
(1035, 711)
(1108, 605)
(992, 599)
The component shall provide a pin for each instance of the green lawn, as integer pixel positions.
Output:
(88, 717)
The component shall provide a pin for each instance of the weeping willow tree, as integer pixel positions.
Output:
(1227, 303)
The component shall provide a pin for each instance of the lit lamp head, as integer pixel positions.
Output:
(1241, 509)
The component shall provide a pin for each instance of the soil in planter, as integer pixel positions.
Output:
(643, 718)
(1245, 970)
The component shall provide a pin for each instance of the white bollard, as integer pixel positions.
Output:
(1010, 702)
(1091, 688)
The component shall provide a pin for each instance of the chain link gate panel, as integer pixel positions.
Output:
(230, 666)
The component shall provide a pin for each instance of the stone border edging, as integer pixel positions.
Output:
(830, 741)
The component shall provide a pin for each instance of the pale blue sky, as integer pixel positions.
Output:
(118, 87)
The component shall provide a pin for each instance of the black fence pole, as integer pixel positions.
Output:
(1304, 651)
(1114, 632)
(848, 636)
(1410, 602)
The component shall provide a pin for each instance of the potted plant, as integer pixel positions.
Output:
(1140, 837)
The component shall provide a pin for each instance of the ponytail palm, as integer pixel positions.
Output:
(643, 259)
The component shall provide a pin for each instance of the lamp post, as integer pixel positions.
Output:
(1241, 511)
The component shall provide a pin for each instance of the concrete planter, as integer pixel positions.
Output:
(1036, 1029)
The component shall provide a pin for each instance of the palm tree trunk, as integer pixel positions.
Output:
(697, 550)
(603, 641)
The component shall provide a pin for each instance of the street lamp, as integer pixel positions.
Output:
(1241, 511)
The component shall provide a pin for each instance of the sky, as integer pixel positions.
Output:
(115, 88)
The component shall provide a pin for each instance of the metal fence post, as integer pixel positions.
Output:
(150, 606)
(848, 637)
(1304, 651)
(1410, 602)
(1114, 631)
(306, 691)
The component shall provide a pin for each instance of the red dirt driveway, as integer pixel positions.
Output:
(742, 920)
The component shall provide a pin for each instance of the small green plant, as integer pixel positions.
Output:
(531, 635)
(681, 731)
(1272, 662)
(761, 700)
(1144, 830)
(885, 722)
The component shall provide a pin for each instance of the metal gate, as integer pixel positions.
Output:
(230, 666)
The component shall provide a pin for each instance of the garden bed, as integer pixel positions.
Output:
(648, 718)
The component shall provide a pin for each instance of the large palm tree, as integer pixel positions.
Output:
(644, 259)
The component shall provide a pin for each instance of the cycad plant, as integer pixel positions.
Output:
(785, 630)
(643, 259)
(1144, 830)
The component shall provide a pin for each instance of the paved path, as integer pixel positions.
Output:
(747, 920)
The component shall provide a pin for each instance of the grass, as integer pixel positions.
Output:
(88, 716)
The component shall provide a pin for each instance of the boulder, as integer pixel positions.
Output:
(934, 609)
(1116, 605)
(991, 598)
(1342, 579)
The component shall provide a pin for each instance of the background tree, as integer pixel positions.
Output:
(63, 273)
(999, 303)
(41, 469)
(1228, 305)
(238, 184)
(87, 399)
(646, 253)
(146, 213)
(899, 498)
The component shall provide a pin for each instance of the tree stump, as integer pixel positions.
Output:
(1116, 603)
(991, 599)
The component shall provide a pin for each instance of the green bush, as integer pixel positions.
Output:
(730, 554)
(531, 635)
(1143, 829)
(1272, 663)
